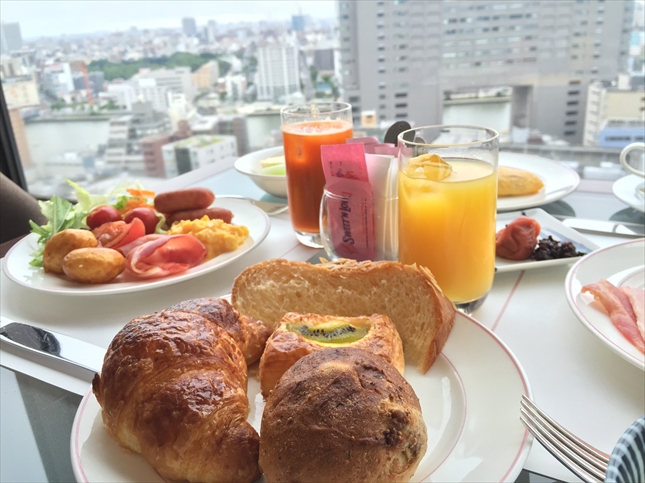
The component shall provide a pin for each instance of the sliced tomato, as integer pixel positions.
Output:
(115, 234)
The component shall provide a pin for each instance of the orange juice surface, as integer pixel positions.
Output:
(449, 227)
(305, 178)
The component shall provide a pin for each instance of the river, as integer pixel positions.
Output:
(49, 141)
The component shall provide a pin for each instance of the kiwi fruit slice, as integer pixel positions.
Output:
(332, 333)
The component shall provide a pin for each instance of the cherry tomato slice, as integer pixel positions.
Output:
(101, 215)
(147, 215)
(118, 233)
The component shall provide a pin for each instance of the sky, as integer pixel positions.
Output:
(53, 18)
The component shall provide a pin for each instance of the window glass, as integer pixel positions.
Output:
(101, 90)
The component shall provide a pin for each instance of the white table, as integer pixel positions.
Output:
(574, 377)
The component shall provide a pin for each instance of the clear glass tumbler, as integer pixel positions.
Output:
(305, 128)
(447, 207)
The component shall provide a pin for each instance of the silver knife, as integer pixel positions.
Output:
(52, 344)
(634, 230)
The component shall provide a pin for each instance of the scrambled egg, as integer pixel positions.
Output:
(216, 235)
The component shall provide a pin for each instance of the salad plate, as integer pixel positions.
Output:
(621, 264)
(474, 430)
(16, 263)
(549, 226)
(629, 190)
(559, 180)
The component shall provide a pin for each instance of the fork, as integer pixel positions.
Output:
(585, 461)
(268, 206)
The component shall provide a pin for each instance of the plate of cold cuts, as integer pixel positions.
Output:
(16, 262)
(606, 291)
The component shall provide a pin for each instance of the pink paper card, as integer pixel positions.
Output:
(365, 140)
(387, 149)
(345, 161)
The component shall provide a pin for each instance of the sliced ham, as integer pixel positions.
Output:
(620, 310)
(517, 240)
(125, 249)
(636, 298)
(164, 255)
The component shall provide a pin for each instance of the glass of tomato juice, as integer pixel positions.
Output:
(447, 187)
(305, 128)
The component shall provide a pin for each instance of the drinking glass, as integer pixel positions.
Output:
(447, 188)
(305, 128)
(338, 234)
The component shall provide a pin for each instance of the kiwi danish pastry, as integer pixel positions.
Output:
(300, 334)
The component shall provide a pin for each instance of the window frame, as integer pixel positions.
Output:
(10, 164)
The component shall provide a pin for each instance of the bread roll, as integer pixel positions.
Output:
(173, 388)
(407, 294)
(300, 334)
(517, 182)
(342, 415)
(249, 334)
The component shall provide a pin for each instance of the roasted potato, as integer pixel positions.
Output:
(62, 243)
(93, 265)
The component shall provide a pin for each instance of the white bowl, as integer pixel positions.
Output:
(249, 165)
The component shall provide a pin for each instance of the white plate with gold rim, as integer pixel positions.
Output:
(559, 180)
(470, 400)
(621, 264)
(17, 268)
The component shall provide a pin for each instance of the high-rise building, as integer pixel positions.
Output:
(615, 115)
(211, 31)
(57, 79)
(324, 60)
(196, 152)
(278, 72)
(124, 152)
(189, 26)
(10, 37)
(403, 58)
(206, 76)
(178, 80)
(298, 23)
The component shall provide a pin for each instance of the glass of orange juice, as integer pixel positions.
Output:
(305, 128)
(447, 188)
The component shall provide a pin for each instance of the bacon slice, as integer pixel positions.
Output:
(164, 255)
(620, 310)
(636, 298)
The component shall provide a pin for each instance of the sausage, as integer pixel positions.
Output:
(212, 213)
(183, 200)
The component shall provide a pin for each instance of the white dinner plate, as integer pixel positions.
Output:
(559, 180)
(622, 264)
(548, 226)
(16, 263)
(625, 190)
(470, 400)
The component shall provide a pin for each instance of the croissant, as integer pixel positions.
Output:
(173, 388)
(250, 334)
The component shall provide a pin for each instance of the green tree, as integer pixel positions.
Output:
(59, 104)
(313, 72)
(128, 68)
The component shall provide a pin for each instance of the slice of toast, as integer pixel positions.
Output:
(407, 294)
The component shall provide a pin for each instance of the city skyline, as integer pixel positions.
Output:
(56, 18)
